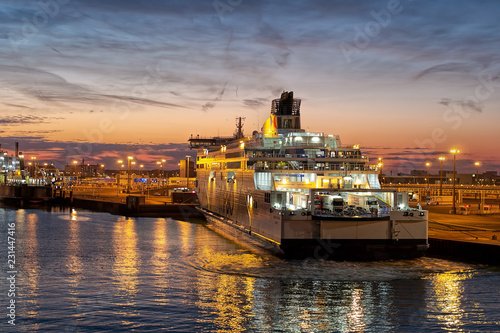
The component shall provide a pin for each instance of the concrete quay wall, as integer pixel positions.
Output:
(464, 251)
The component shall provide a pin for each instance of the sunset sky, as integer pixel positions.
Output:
(100, 80)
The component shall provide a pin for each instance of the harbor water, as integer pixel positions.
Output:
(81, 271)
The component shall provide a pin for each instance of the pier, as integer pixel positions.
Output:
(177, 205)
(472, 238)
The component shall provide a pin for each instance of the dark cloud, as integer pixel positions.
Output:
(209, 105)
(18, 120)
(469, 105)
(18, 106)
(451, 67)
(49, 87)
(42, 85)
(146, 101)
(255, 102)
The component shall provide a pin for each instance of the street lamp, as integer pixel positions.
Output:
(428, 165)
(129, 159)
(159, 166)
(477, 171)
(102, 167)
(163, 168)
(29, 169)
(33, 158)
(75, 162)
(380, 165)
(141, 166)
(441, 159)
(454, 152)
(118, 177)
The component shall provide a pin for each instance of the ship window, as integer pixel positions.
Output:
(267, 197)
(231, 175)
(262, 181)
(287, 123)
(234, 165)
(234, 154)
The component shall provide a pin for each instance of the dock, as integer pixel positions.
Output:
(135, 204)
(179, 205)
(472, 238)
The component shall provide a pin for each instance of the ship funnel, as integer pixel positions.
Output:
(287, 112)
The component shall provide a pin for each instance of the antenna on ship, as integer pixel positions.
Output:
(239, 127)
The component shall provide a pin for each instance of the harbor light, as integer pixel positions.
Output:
(441, 159)
(129, 160)
(454, 151)
(477, 164)
(428, 165)
(75, 162)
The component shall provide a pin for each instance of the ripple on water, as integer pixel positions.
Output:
(249, 264)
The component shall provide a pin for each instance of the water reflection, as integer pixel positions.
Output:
(229, 297)
(159, 262)
(446, 299)
(355, 315)
(186, 237)
(28, 223)
(126, 259)
(73, 258)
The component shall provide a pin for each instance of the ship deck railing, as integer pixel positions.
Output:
(308, 166)
(304, 157)
(354, 216)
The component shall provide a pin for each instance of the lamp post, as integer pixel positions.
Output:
(132, 170)
(120, 162)
(159, 176)
(163, 168)
(454, 152)
(477, 172)
(428, 165)
(33, 158)
(75, 162)
(441, 159)
(29, 169)
(129, 159)
(380, 165)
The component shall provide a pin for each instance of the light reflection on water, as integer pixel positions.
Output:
(92, 272)
(124, 244)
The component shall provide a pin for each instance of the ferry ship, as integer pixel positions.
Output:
(304, 193)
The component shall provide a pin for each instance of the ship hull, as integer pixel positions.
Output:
(327, 248)
(354, 249)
